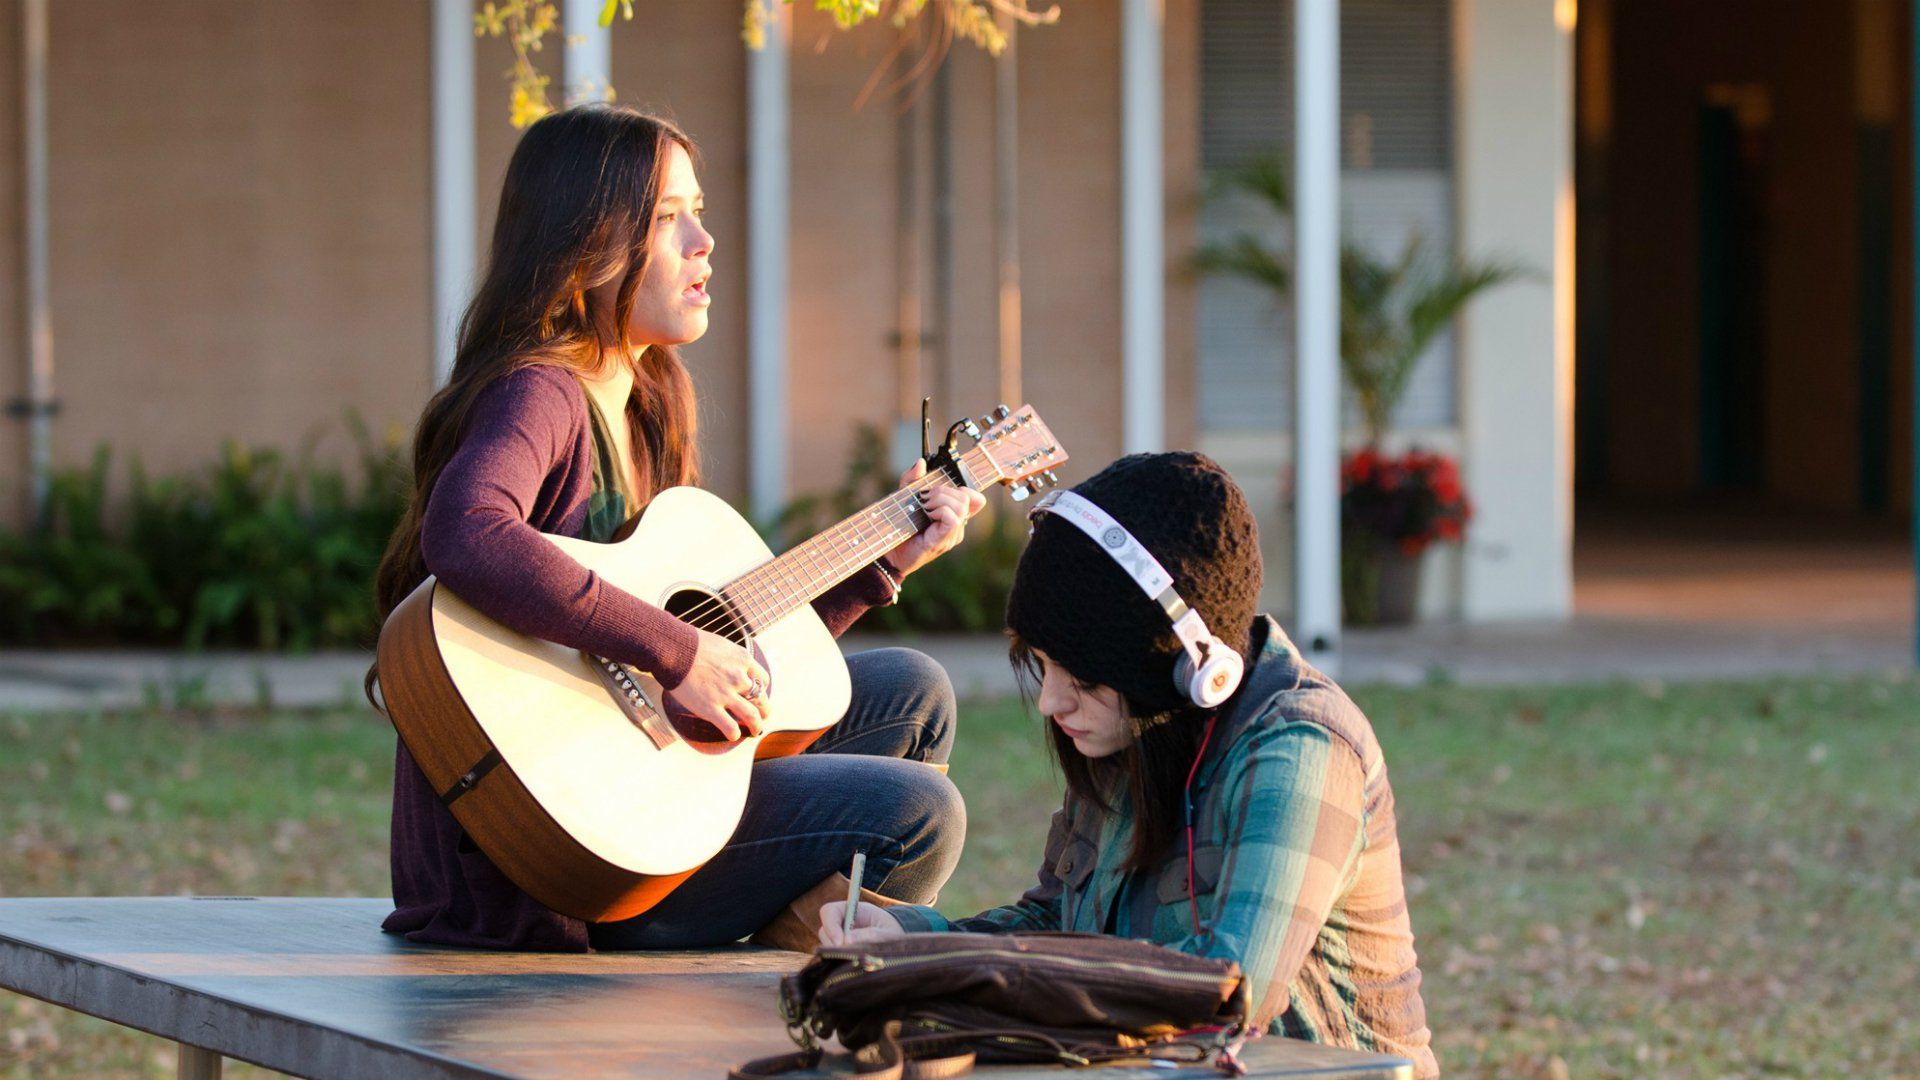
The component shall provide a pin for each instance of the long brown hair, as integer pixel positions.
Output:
(1150, 774)
(575, 210)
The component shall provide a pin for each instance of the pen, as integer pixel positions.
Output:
(853, 890)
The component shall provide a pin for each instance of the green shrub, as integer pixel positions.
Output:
(73, 579)
(270, 551)
(258, 550)
(963, 590)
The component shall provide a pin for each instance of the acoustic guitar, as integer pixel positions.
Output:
(583, 782)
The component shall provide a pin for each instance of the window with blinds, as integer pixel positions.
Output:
(1396, 179)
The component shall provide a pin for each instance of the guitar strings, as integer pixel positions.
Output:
(713, 614)
(752, 604)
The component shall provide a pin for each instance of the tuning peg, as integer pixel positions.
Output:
(972, 429)
(1020, 492)
(1001, 412)
(1053, 478)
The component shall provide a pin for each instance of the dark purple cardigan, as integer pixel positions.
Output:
(525, 467)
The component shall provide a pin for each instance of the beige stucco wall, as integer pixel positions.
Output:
(241, 243)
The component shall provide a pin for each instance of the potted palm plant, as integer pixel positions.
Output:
(1392, 506)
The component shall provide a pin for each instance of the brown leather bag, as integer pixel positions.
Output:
(1074, 999)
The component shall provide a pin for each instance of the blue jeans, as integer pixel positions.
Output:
(861, 786)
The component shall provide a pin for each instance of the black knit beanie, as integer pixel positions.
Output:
(1074, 603)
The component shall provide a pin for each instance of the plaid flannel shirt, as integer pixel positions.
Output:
(1296, 868)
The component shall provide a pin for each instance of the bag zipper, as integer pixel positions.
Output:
(867, 962)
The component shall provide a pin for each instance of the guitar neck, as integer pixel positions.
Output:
(768, 592)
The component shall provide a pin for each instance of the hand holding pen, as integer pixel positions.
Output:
(851, 921)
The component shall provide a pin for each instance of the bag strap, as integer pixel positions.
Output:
(777, 1065)
(916, 1057)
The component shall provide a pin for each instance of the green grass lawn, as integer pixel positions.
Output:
(1683, 880)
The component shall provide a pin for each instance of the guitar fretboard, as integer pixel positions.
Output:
(763, 595)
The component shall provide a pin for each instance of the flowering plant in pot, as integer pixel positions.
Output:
(1392, 508)
(1391, 310)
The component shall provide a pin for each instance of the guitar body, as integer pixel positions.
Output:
(587, 812)
(577, 776)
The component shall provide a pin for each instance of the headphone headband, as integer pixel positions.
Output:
(1131, 554)
(1206, 655)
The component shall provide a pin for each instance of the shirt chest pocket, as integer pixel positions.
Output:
(1074, 868)
(1207, 862)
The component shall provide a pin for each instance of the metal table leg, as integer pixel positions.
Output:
(198, 1064)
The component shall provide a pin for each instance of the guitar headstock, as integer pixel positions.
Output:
(1018, 450)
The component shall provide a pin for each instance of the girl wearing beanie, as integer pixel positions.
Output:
(1259, 828)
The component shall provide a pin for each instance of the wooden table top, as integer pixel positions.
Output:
(311, 987)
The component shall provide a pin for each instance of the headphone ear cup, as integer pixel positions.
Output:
(1215, 680)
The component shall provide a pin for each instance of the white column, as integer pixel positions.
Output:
(1316, 424)
(38, 405)
(1143, 280)
(1514, 109)
(767, 179)
(1006, 206)
(454, 247)
(589, 60)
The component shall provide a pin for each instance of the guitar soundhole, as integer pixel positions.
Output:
(709, 612)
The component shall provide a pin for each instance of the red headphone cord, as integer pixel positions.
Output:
(1186, 799)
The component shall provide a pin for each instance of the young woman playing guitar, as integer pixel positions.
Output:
(567, 409)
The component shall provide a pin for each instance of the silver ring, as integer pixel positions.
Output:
(752, 692)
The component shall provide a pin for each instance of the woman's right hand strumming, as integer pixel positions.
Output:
(724, 687)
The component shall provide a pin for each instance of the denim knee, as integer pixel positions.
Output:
(920, 689)
(935, 690)
(934, 820)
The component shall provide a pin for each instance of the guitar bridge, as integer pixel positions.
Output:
(624, 686)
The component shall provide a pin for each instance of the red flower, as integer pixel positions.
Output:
(1408, 500)
(1359, 469)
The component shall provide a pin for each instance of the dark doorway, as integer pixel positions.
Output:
(1743, 333)
(1734, 125)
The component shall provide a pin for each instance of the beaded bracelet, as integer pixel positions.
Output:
(893, 582)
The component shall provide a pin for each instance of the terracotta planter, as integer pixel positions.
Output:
(1379, 583)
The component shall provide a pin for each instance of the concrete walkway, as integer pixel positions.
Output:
(1690, 597)
(1583, 649)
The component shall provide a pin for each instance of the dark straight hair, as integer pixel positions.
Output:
(1150, 774)
(575, 210)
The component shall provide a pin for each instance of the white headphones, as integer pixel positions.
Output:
(1209, 671)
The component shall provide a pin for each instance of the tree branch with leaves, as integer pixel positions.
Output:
(526, 24)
